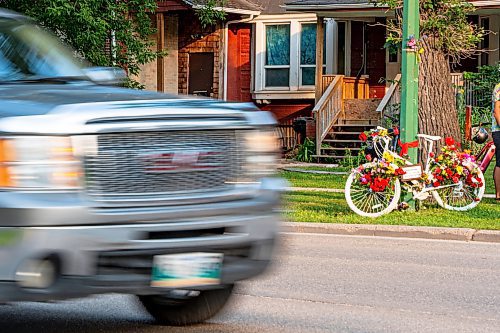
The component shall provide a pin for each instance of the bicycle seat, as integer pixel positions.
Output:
(429, 137)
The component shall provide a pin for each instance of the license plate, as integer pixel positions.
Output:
(186, 269)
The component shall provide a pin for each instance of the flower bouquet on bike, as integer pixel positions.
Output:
(452, 177)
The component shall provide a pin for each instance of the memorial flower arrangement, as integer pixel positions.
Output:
(378, 174)
(452, 166)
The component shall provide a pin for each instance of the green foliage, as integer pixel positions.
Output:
(445, 22)
(306, 151)
(87, 26)
(483, 82)
(209, 11)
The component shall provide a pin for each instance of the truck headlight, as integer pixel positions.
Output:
(38, 162)
(262, 149)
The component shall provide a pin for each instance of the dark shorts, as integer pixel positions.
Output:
(496, 140)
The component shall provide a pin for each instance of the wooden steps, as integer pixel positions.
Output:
(341, 148)
(339, 141)
(343, 139)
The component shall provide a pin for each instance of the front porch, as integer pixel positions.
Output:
(343, 111)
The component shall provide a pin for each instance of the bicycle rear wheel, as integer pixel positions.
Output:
(365, 202)
(460, 198)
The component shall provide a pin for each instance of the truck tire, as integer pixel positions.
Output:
(176, 309)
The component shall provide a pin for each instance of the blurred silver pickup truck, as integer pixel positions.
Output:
(105, 189)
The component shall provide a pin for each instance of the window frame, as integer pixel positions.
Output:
(265, 67)
(309, 86)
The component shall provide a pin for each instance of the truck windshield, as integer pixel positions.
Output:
(28, 52)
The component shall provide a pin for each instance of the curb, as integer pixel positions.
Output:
(461, 234)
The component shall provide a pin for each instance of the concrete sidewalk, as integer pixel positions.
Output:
(462, 234)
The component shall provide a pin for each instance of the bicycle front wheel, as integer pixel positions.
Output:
(460, 198)
(365, 202)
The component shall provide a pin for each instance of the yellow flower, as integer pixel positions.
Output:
(460, 169)
(440, 157)
(383, 132)
(388, 157)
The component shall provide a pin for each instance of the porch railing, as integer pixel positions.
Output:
(326, 79)
(392, 97)
(356, 88)
(328, 109)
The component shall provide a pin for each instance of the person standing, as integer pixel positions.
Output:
(495, 129)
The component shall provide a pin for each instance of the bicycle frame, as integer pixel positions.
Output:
(421, 195)
(485, 156)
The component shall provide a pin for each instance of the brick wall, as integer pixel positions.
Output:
(195, 39)
(148, 72)
(171, 77)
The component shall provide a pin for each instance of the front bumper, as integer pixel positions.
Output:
(116, 257)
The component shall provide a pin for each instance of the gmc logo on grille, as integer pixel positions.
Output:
(181, 161)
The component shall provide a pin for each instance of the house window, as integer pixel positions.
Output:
(286, 55)
(277, 65)
(308, 54)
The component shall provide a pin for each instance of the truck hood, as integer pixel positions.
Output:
(87, 108)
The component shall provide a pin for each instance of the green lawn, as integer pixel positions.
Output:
(332, 208)
(298, 179)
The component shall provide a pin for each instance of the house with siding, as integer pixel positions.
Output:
(358, 51)
(252, 56)
(195, 58)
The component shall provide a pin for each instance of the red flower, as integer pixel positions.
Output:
(363, 137)
(436, 184)
(368, 157)
(438, 170)
(431, 154)
(379, 184)
(400, 171)
(455, 179)
(449, 141)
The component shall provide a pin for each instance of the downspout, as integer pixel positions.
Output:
(226, 38)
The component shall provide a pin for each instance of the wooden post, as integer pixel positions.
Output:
(468, 123)
(160, 45)
(320, 33)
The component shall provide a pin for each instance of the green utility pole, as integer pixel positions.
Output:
(409, 75)
(409, 81)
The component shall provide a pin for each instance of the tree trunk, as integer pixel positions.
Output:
(437, 114)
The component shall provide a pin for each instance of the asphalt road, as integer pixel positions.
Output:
(320, 283)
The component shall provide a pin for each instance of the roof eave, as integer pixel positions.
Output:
(332, 7)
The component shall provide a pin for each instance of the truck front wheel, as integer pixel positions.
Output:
(185, 307)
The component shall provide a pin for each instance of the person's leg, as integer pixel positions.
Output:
(496, 171)
(496, 178)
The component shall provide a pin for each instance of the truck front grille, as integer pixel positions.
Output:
(163, 163)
